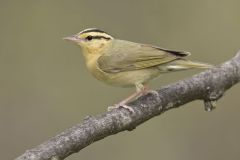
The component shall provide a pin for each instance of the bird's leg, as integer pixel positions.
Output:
(140, 89)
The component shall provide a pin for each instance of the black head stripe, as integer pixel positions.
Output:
(93, 30)
(101, 37)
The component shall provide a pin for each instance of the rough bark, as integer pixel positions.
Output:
(208, 86)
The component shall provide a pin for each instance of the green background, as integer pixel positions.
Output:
(45, 87)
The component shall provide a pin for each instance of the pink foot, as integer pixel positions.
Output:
(121, 106)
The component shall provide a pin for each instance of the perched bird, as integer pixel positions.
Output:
(127, 64)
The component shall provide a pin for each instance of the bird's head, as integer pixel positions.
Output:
(92, 40)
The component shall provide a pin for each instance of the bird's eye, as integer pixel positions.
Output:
(89, 38)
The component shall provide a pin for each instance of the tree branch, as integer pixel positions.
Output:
(208, 86)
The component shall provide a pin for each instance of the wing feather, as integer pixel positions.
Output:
(127, 56)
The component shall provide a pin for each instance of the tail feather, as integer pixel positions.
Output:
(182, 64)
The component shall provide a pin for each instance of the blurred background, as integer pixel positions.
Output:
(45, 87)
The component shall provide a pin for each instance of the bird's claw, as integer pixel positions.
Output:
(130, 109)
(153, 92)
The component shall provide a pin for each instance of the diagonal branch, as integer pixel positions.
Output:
(208, 86)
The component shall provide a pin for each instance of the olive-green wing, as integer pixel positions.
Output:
(127, 56)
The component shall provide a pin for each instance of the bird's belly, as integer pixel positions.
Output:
(126, 78)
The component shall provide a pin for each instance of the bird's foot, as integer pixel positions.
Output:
(153, 92)
(130, 109)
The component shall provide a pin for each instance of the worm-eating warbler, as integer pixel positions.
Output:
(126, 64)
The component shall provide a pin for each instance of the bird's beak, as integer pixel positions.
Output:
(72, 38)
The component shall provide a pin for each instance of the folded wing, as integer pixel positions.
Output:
(128, 56)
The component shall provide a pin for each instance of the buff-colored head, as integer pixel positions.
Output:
(91, 40)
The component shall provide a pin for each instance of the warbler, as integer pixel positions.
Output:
(127, 64)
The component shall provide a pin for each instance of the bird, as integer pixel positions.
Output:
(124, 63)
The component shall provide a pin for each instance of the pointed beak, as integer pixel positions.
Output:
(72, 38)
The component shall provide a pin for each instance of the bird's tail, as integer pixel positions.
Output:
(182, 64)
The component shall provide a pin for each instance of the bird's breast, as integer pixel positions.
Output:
(122, 79)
